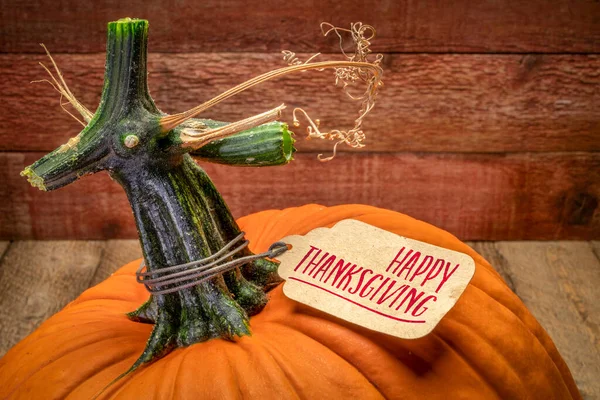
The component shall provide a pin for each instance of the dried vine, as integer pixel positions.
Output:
(349, 77)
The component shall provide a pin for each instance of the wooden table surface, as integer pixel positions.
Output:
(557, 280)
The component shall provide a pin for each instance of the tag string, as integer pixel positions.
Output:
(161, 281)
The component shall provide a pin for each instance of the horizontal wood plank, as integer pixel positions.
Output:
(451, 103)
(474, 196)
(489, 251)
(4, 245)
(596, 247)
(558, 282)
(273, 25)
(116, 254)
(37, 279)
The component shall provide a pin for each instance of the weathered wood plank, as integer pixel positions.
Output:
(403, 26)
(489, 251)
(4, 244)
(447, 103)
(475, 196)
(37, 279)
(596, 247)
(558, 281)
(116, 253)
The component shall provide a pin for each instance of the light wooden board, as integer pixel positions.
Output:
(3, 247)
(38, 278)
(237, 25)
(489, 251)
(596, 247)
(474, 196)
(116, 253)
(558, 281)
(429, 102)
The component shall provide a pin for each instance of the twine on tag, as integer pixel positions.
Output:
(178, 277)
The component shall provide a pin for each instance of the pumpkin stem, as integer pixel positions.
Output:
(179, 213)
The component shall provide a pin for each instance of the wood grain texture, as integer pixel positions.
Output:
(558, 281)
(489, 251)
(474, 196)
(273, 25)
(434, 103)
(116, 253)
(596, 248)
(3, 247)
(37, 279)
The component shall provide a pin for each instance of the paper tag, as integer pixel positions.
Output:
(374, 278)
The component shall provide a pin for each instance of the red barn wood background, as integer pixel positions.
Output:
(488, 124)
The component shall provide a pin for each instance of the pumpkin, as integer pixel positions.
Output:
(487, 347)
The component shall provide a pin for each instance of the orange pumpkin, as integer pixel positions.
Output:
(488, 346)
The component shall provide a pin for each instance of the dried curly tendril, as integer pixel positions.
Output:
(349, 77)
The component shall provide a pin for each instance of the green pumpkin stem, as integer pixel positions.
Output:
(180, 215)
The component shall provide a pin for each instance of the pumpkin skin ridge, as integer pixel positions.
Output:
(186, 351)
(341, 356)
(234, 380)
(537, 335)
(469, 361)
(321, 345)
(120, 386)
(535, 330)
(469, 364)
(179, 359)
(123, 385)
(292, 385)
(389, 352)
(460, 356)
(258, 345)
(526, 319)
(285, 384)
(61, 356)
(68, 350)
(281, 325)
(129, 358)
(112, 317)
(282, 364)
(123, 365)
(532, 333)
